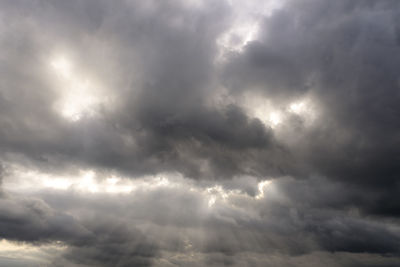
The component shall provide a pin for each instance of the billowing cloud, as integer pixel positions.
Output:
(193, 133)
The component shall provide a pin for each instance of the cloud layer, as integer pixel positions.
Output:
(193, 133)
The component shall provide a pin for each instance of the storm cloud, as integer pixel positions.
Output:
(194, 133)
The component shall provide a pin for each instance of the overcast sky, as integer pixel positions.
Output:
(199, 133)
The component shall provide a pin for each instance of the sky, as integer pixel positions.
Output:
(199, 133)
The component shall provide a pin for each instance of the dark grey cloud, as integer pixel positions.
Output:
(345, 54)
(169, 106)
(163, 109)
(94, 241)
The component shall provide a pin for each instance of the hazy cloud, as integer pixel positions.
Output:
(192, 133)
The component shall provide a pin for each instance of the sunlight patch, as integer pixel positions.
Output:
(277, 115)
(79, 95)
(261, 186)
(245, 27)
(24, 252)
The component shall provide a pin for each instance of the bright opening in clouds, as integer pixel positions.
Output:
(275, 118)
(199, 133)
(247, 17)
(78, 96)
